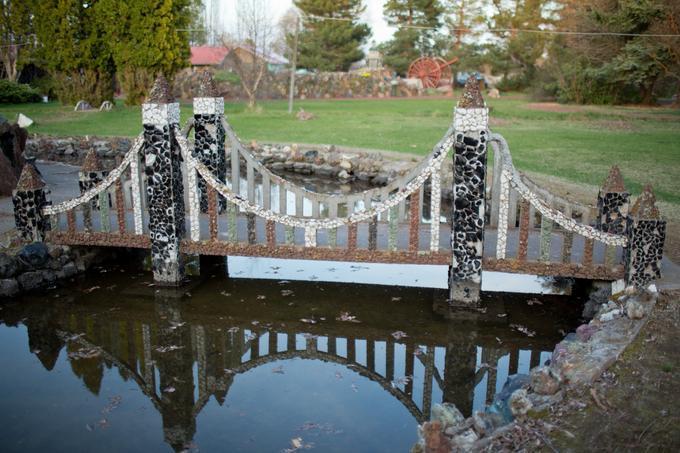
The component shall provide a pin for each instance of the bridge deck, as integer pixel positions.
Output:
(223, 247)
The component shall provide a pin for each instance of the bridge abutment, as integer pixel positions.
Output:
(163, 171)
(471, 120)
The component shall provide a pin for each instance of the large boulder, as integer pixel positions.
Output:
(8, 266)
(34, 256)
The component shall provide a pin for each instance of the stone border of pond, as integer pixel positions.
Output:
(577, 361)
(39, 266)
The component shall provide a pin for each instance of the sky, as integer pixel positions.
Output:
(373, 16)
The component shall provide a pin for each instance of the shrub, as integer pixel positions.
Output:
(17, 93)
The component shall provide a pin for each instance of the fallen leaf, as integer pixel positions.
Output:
(89, 290)
(398, 335)
(308, 321)
(278, 370)
(170, 389)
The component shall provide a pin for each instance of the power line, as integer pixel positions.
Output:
(510, 30)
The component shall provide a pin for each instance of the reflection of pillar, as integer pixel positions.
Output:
(513, 362)
(175, 370)
(459, 372)
(427, 381)
(149, 375)
(351, 350)
(331, 345)
(408, 363)
(199, 342)
(370, 355)
(389, 360)
(272, 342)
(490, 357)
(43, 340)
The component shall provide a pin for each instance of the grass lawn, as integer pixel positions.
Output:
(576, 143)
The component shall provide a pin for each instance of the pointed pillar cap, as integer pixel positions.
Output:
(91, 162)
(29, 179)
(160, 92)
(206, 85)
(472, 97)
(614, 181)
(645, 206)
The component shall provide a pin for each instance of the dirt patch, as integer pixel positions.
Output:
(634, 406)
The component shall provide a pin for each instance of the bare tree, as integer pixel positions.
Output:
(252, 45)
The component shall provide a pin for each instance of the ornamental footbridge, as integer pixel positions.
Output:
(198, 190)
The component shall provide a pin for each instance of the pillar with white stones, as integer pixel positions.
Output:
(162, 167)
(613, 202)
(209, 135)
(471, 119)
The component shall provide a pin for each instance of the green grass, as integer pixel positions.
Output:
(575, 143)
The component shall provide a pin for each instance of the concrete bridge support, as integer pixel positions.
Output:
(471, 121)
(160, 115)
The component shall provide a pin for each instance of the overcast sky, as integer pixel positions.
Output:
(373, 16)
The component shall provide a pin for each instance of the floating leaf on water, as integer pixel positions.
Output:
(524, 330)
(502, 315)
(398, 335)
(229, 371)
(308, 321)
(396, 299)
(355, 388)
(89, 427)
(89, 290)
(170, 389)
(401, 381)
(345, 316)
(225, 294)
(499, 340)
(418, 352)
(278, 369)
(250, 337)
(168, 348)
(283, 282)
(534, 302)
(261, 297)
(338, 375)
(254, 322)
(286, 292)
(233, 329)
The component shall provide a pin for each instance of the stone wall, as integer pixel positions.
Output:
(323, 85)
(38, 266)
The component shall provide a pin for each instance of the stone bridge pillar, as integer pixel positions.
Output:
(162, 157)
(646, 232)
(470, 121)
(29, 199)
(209, 135)
(613, 202)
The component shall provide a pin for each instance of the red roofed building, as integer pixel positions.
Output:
(208, 55)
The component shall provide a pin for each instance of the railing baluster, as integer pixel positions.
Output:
(235, 171)
(71, 220)
(414, 221)
(316, 209)
(250, 181)
(270, 227)
(212, 213)
(87, 216)
(290, 235)
(232, 219)
(194, 203)
(283, 200)
(373, 233)
(299, 204)
(402, 210)
(503, 201)
(266, 192)
(352, 236)
(567, 238)
(512, 209)
(435, 209)
(104, 212)
(523, 230)
(120, 206)
(546, 238)
(135, 176)
(588, 252)
(252, 238)
(394, 228)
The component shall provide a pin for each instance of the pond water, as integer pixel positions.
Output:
(115, 364)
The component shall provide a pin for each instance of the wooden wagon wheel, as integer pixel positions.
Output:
(427, 70)
(445, 67)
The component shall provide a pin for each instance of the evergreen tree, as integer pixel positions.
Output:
(410, 43)
(16, 35)
(331, 38)
(148, 37)
(75, 49)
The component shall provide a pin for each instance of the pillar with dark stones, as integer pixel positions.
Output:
(613, 202)
(469, 176)
(29, 199)
(209, 135)
(91, 173)
(646, 232)
(162, 166)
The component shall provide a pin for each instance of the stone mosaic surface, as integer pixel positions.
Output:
(29, 200)
(613, 202)
(164, 190)
(209, 143)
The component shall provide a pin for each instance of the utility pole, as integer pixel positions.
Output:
(293, 66)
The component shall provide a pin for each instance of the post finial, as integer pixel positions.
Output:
(206, 85)
(91, 162)
(160, 92)
(472, 96)
(645, 206)
(29, 179)
(614, 181)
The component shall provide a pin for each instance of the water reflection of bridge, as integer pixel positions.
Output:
(160, 349)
